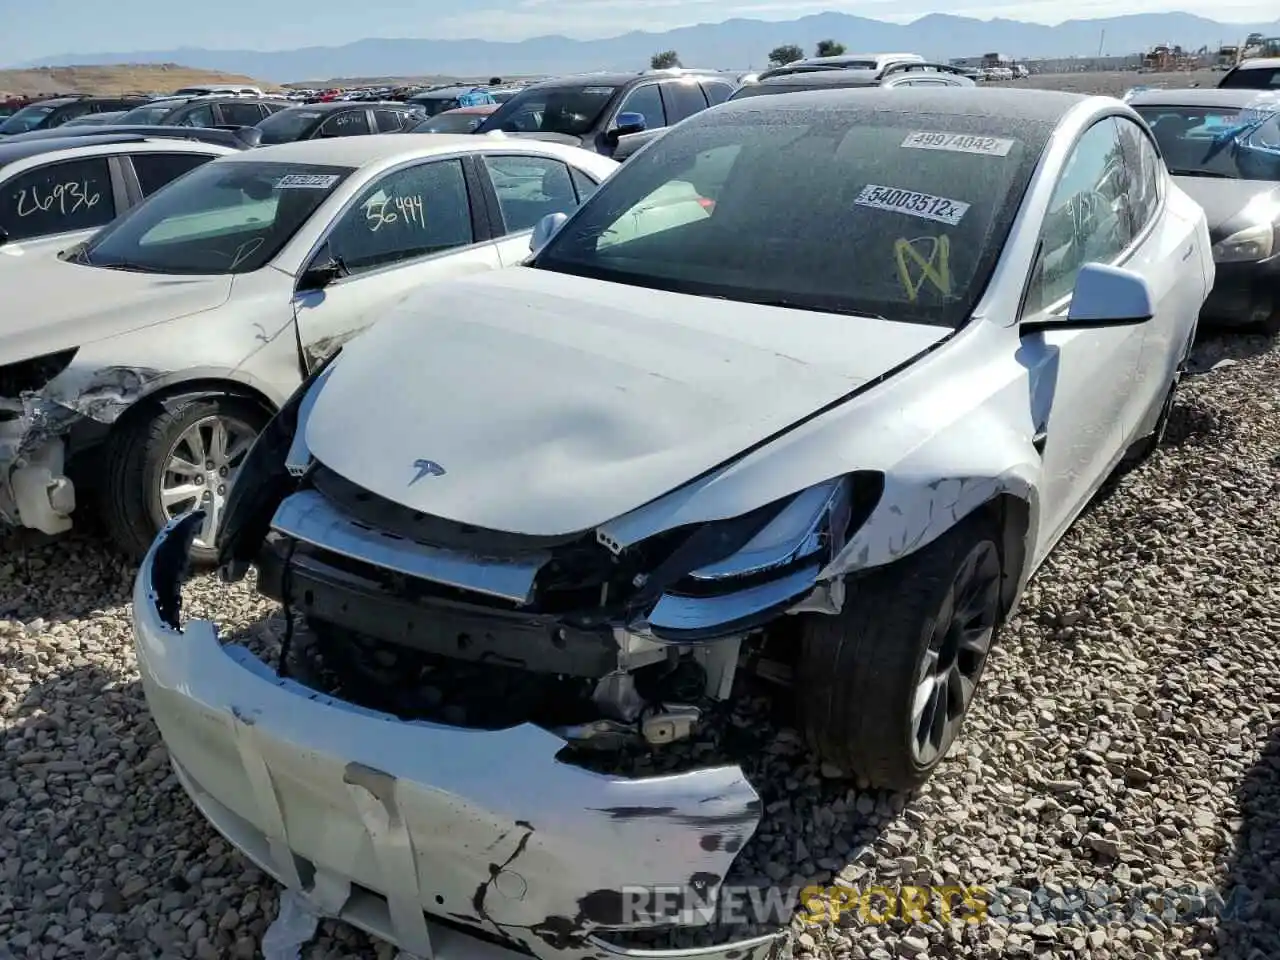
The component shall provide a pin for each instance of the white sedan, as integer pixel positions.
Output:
(833, 423)
(148, 358)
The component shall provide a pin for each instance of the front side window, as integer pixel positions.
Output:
(572, 110)
(1088, 220)
(57, 198)
(646, 101)
(288, 125)
(352, 123)
(201, 116)
(155, 170)
(222, 218)
(1213, 142)
(530, 188)
(854, 211)
(149, 113)
(410, 213)
(1146, 173)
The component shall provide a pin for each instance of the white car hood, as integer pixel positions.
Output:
(49, 304)
(555, 403)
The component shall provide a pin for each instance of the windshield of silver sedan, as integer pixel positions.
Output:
(221, 218)
(882, 214)
(1219, 142)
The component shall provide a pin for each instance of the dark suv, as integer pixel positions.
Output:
(213, 111)
(611, 113)
(47, 114)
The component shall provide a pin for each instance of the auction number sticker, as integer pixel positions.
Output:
(307, 181)
(923, 205)
(959, 143)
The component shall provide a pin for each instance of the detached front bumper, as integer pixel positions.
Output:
(446, 841)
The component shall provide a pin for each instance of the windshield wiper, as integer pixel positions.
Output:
(811, 307)
(1202, 173)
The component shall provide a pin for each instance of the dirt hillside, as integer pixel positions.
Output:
(116, 79)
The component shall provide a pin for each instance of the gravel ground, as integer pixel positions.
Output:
(1127, 743)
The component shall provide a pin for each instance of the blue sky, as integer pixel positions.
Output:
(48, 27)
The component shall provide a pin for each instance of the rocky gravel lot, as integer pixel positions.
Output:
(1127, 742)
(1117, 791)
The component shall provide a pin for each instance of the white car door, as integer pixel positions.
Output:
(526, 188)
(1165, 223)
(48, 207)
(411, 226)
(1087, 374)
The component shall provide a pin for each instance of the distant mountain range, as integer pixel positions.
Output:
(732, 44)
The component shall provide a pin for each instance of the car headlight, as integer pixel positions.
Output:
(1251, 243)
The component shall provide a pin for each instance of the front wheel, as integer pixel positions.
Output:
(174, 459)
(889, 680)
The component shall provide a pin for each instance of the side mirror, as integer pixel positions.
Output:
(1104, 297)
(322, 273)
(628, 123)
(545, 229)
(249, 136)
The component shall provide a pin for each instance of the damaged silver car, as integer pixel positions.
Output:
(142, 363)
(564, 508)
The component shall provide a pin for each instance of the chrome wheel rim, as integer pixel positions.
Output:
(199, 469)
(959, 641)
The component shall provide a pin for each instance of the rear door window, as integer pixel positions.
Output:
(389, 121)
(717, 91)
(241, 114)
(201, 116)
(154, 170)
(57, 198)
(682, 98)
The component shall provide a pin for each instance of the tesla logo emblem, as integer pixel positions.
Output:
(426, 468)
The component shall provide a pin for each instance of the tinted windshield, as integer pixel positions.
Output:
(28, 118)
(569, 110)
(219, 218)
(1256, 78)
(288, 125)
(1212, 142)
(450, 123)
(857, 212)
(150, 113)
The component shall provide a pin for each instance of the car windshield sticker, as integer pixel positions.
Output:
(597, 91)
(930, 257)
(923, 205)
(307, 181)
(958, 143)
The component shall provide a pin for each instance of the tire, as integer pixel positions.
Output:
(136, 460)
(859, 669)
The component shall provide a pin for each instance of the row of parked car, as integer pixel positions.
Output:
(418, 215)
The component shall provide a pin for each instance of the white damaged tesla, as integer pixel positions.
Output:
(810, 388)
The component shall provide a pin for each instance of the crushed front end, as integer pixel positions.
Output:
(419, 762)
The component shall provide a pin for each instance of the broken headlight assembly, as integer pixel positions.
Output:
(270, 472)
(29, 376)
(769, 560)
